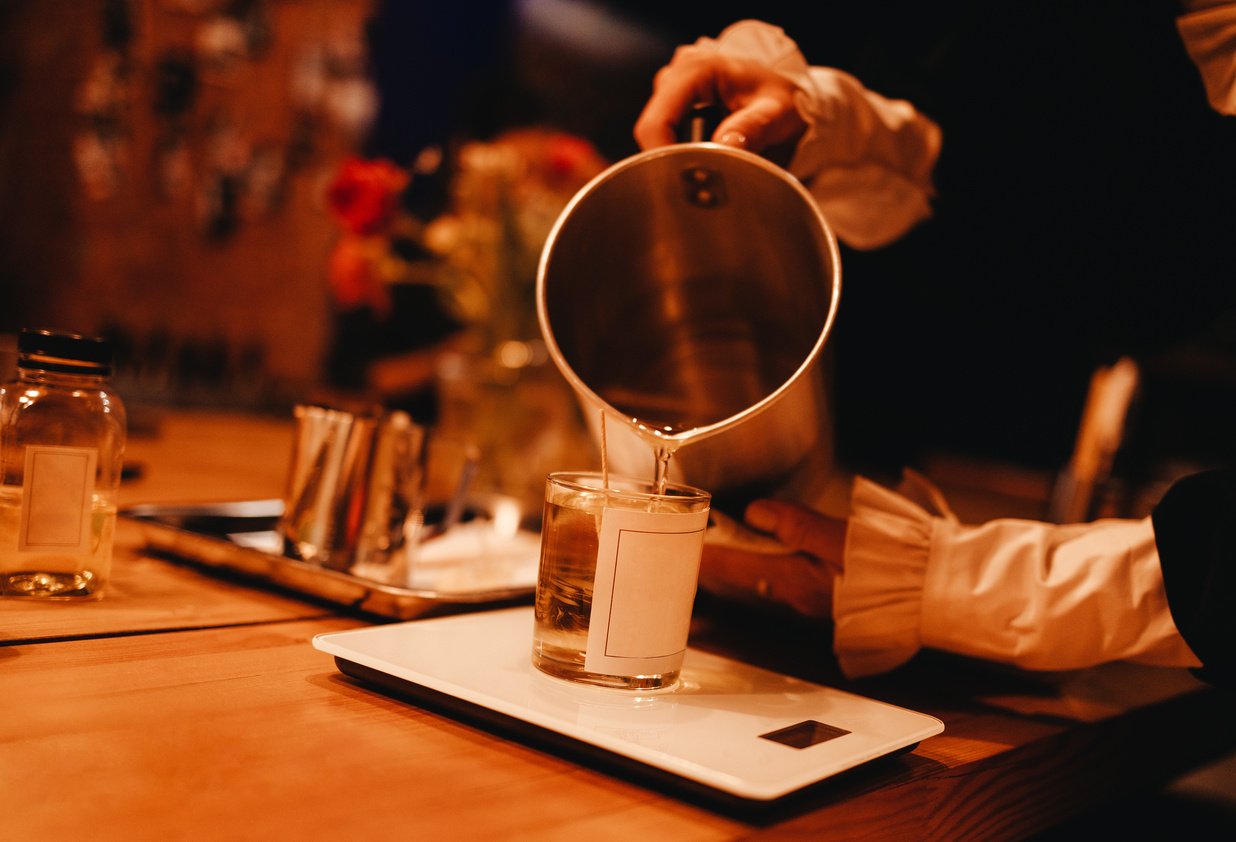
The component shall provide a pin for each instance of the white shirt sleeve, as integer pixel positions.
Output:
(1034, 595)
(866, 159)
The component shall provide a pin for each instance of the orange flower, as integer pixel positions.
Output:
(364, 195)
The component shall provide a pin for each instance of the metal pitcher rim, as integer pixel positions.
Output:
(707, 148)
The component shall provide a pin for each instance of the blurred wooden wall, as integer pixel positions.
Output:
(177, 202)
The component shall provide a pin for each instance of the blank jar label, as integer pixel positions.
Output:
(647, 569)
(55, 512)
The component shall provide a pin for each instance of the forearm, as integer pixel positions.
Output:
(1047, 597)
(1035, 595)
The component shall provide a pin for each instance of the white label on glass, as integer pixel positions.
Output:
(56, 491)
(648, 565)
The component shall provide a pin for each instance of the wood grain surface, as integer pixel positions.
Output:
(188, 705)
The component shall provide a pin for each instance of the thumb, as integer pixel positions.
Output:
(801, 529)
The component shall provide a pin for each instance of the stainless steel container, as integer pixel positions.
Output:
(354, 495)
(690, 290)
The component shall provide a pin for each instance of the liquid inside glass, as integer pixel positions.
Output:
(45, 573)
(564, 585)
(569, 545)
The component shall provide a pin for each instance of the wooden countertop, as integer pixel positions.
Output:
(186, 704)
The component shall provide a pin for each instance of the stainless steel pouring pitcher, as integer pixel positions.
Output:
(690, 290)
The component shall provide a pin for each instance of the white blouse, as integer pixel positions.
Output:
(1035, 595)
(870, 172)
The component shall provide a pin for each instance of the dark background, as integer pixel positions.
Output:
(1084, 198)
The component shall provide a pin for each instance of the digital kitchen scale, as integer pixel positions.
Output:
(727, 726)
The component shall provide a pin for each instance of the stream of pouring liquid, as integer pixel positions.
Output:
(664, 439)
(663, 455)
(664, 445)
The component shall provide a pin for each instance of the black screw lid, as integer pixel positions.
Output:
(57, 350)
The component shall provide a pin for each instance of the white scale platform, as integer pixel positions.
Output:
(728, 726)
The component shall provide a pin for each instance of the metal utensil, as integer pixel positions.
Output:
(690, 290)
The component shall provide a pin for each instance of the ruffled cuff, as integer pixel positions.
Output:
(877, 600)
(767, 44)
(870, 170)
(1209, 36)
(866, 159)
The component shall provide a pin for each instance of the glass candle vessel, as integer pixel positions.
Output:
(617, 579)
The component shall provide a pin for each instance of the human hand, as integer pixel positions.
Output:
(762, 118)
(801, 578)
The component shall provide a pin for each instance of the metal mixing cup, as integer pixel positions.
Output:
(690, 290)
(354, 495)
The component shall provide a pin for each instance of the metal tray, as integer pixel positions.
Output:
(486, 559)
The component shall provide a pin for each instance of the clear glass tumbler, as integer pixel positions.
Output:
(617, 580)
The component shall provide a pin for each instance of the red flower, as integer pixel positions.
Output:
(364, 195)
(354, 277)
(571, 159)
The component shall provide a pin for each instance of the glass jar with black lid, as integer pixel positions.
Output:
(62, 439)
